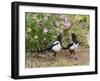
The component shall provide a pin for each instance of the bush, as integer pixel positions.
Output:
(41, 29)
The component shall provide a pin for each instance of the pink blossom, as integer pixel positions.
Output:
(45, 29)
(66, 19)
(45, 17)
(66, 23)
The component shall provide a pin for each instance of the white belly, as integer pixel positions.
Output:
(56, 48)
(74, 46)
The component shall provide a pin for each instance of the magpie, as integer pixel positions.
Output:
(73, 45)
(55, 47)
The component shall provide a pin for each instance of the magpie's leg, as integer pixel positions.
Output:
(71, 51)
(70, 56)
(54, 54)
(74, 52)
(75, 57)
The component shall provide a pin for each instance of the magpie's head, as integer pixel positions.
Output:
(74, 36)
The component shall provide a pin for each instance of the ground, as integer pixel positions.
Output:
(63, 58)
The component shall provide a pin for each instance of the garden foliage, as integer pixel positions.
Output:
(41, 29)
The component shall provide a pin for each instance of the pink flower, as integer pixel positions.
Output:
(67, 23)
(45, 17)
(66, 19)
(45, 29)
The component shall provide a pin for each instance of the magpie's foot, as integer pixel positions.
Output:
(75, 57)
(54, 54)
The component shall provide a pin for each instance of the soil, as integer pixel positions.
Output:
(63, 58)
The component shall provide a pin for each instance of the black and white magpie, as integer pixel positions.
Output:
(73, 45)
(55, 47)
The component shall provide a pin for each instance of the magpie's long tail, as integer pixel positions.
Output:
(48, 49)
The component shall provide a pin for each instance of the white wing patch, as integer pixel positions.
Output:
(57, 47)
(74, 46)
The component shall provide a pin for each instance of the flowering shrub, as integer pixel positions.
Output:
(41, 29)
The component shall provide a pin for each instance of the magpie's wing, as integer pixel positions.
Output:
(75, 41)
(69, 45)
(50, 47)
